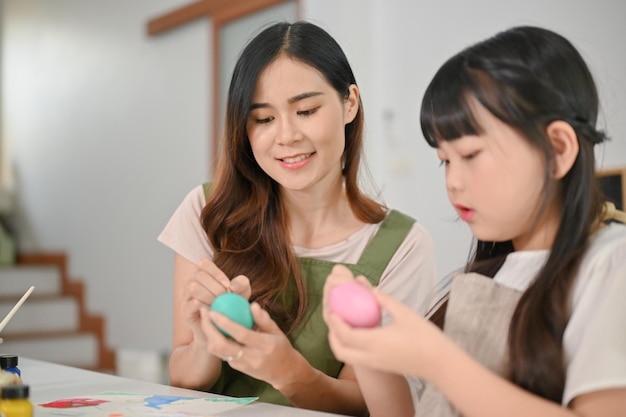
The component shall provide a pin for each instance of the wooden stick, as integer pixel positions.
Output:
(14, 309)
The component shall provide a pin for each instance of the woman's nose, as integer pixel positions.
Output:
(288, 131)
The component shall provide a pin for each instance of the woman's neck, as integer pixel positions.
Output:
(320, 217)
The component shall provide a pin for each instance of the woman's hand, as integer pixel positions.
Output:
(195, 288)
(264, 353)
(202, 287)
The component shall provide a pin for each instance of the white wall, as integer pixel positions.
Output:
(109, 131)
(396, 46)
(109, 126)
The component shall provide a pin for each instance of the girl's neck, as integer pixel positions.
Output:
(542, 234)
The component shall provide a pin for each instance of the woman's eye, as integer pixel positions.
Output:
(263, 121)
(443, 162)
(309, 112)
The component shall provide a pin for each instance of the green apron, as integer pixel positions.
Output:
(311, 338)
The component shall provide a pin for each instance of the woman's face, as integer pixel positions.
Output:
(296, 125)
(495, 181)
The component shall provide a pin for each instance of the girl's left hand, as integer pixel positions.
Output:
(264, 353)
(407, 345)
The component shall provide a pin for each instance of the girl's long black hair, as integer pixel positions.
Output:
(529, 77)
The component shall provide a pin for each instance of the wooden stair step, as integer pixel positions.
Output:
(15, 280)
(54, 324)
(76, 349)
(42, 314)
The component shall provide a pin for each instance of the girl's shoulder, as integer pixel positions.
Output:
(597, 314)
(607, 244)
(603, 263)
(606, 251)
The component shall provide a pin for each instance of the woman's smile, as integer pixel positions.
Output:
(296, 161)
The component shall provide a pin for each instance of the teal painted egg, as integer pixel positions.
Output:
(235, 307)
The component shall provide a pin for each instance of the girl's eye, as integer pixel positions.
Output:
(443, 162)
(309, 112)
(471, 156)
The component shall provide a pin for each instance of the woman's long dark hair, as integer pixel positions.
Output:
(529, 77)
(244, 217)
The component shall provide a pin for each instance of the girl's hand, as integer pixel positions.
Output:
(264, 353)
(407, 345)
(339, 275)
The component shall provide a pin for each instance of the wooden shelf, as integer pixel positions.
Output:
(613, 185)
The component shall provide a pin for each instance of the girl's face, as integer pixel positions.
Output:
(297, 124)
(495, 182)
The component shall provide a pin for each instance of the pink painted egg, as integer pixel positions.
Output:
(355, 304)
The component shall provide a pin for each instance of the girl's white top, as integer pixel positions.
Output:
(595, 336)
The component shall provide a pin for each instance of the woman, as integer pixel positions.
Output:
(285, 207)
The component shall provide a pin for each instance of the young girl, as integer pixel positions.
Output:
(284, 208)
(536, 326)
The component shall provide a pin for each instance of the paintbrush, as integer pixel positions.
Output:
(15, 308)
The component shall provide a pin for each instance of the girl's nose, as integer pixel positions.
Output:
(454, 178)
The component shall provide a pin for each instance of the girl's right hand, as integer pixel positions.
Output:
(408, 344)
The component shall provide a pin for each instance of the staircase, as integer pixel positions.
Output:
(53, 324)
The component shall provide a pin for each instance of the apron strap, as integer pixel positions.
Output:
(385, 243)
(207, 187)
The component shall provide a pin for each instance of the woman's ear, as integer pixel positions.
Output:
(351, 104)
(565, 144)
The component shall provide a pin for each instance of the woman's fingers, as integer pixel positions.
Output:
(214, 272)
(241, 285)
(206, 283)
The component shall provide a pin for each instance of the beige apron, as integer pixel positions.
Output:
(477, 319)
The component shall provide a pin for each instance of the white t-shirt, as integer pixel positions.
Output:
(595, 337)
(409, 277)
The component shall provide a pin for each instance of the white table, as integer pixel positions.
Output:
(50, 382)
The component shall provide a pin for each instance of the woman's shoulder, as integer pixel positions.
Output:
(418, 235)
(400, 219)
(195, 198)
(184, 233)
(191, 205)
(391, 212)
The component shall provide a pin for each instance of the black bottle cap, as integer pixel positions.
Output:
(8, 361)
(12, 392)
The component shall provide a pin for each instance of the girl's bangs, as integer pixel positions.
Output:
(446, 113)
